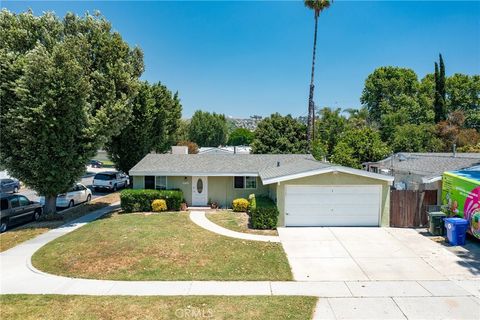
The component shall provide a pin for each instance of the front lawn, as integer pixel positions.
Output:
(25, 232)
(25, 307)
(166, 246)
(236, 221)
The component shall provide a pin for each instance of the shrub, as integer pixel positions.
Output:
(265, 215)
(135, 200)
(240, 205)
(159, 205)
(252, 203)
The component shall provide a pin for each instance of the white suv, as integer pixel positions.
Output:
(110, 180)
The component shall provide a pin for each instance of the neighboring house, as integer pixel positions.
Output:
(422, 171)
(307, 192)
(225, 150)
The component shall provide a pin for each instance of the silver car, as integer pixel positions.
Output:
(77, 194)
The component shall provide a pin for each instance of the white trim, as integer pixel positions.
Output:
(434, 179)
(192, 174)
(356, 172)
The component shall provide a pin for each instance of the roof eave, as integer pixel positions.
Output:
(188, 174)
(347, 170)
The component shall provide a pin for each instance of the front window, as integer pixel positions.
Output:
(149, 182)
(161, 183)
(245, 182)
(239, 182)
(250, 182)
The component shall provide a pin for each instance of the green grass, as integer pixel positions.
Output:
(47, 307)
(236, 221)
(166, 246)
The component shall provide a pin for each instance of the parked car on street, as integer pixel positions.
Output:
(15, 209)
(110, 180)
(9, 185)
(96, 164)
(76, 195)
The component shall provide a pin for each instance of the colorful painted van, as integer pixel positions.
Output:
(461, 196)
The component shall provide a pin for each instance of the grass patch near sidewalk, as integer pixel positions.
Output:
(236, 221)
(164, 246)
(17, 235)
(49, 307)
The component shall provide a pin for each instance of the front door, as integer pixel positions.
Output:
(199, 191)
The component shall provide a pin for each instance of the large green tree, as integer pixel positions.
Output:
(317, 6)
(463, 93)
(393, 96)
(439, 103)
(357, 146)
(240, 137)
(208, 129)
(66, 88)
(280, 134)
(416, 138)
(330, 125)
(152, 127)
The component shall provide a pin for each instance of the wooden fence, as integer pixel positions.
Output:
(408, 208)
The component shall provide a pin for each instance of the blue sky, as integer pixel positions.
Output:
(244, 58)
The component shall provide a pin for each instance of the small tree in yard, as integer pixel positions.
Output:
(66, 87)
(240, 137)
(208, 129)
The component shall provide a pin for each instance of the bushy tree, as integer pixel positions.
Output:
(329, 127)
(280, 134)
(66, 88)
(463, 93)
(240, 137)
(152, 127)
(208, 129)
(385, 88)
(357, 146)
(416, 138)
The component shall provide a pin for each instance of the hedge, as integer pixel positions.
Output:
(265, 214)
(140, 200)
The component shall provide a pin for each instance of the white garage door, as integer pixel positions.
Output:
(332, 205)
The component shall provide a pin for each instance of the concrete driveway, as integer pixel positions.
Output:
(355, 254)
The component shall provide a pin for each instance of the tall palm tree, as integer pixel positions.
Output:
(317, 6)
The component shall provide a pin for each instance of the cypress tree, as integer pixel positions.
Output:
(440, 92)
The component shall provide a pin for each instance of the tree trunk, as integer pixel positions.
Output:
(311, 104)
(50, 208)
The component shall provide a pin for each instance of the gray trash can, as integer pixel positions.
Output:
(436, 224)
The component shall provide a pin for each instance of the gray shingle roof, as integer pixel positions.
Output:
(214, 164)
(300, 166)
(430, 164)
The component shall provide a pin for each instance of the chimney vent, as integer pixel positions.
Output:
(278, 163)
(179, 150)
(454, 150)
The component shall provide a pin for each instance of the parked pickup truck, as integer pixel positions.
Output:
(16, 209)
(110, 180)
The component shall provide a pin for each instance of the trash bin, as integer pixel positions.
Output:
(456, 230)
(436, 225)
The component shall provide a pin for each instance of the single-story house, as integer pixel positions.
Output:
(307, 192)
(422, 171)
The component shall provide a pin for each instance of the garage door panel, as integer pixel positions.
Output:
(332, 205)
